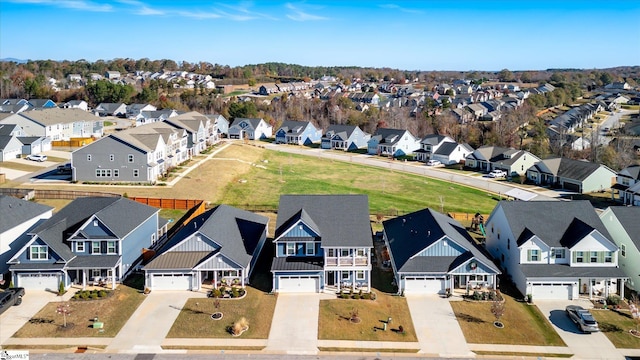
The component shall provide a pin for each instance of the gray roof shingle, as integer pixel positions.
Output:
(17, 211)
(342, 220)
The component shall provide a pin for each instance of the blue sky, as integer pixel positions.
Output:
(409, 35)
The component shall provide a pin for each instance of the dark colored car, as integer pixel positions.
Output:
(10, 297)
(583, 318)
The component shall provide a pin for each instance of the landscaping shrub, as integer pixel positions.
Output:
(613, 300)
(366, 296)
(217, 293)
(235, 293)
(373, 295)
(94, 296)
(344, 295)
(356, 296)
(476, 295)
(102, 293)
(84, 295)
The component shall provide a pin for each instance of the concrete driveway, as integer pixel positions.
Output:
(151, 322)
(294, 329)
(15, 317)
(436, 326)
(583, 346)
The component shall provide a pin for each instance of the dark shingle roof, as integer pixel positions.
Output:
(337, 129)
(629, 217)
(446, 148)
(292, 263)
(632, 172)
(342, 220)
(294, 126)
(251, 121)
(17, 211)
(432, 139)
(566, 271)
(94, 261)
(236, 231)
(409, 234)
(570, 169)
(552, 221)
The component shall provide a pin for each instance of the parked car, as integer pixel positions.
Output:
(64, 169)
(583, 318)
(10, 297)
(497, 173)
(37, 157)
(433, 162)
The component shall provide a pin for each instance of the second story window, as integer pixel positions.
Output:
(112, 157)
(534, 255)
(111, 247)
(608, 256)
(130, 158)
(594, 257)
(39, 252)
(310, 248)
(80, 246)
(623, 250)
(579, 256)
(291, 248)
(360, 252)
(88, 157)
(558, 253)
(95, 247)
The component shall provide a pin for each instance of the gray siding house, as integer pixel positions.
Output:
(344, 137)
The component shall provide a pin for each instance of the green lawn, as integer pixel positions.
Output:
(195, 320)
(22, 166)
(113, 311)
(524, 324)
(387, 190)
(616, 325)
(334, 322)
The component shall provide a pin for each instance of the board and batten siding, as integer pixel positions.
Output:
(443, 247)
(197, 242)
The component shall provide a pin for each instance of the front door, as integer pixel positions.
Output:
(331, 278)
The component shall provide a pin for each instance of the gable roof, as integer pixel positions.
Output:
(435, 139)
(389, 136)
(294, 126)
(54, 116)
(333, 130)
(629, 217)
(409, 234)
(556, 223)
(236, 231)
(17, 211)
(632, 172)
(121, 215)
(342, 220)
(253, 122)
(569, 168)
(446, 148)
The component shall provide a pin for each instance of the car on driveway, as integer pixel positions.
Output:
(10, 297)
(497, 174)
(433, 162)
(583, 318)
(37, 157)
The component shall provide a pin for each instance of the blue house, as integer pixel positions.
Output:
(392, 142)
(322, 242)
(344, 137)
(41, 103)
(91, 240)
(431, 252)
(298, 133)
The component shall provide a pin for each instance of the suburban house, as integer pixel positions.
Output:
(392, 142)
(76, 104)
(221, 125)
(487, 158)
(452, 153)
(10, 146)
(199, 128)
(431, 253)
(146, 117)
(344, 137)
(41, 103)
(252, 129)
(624, 227)
(112, 75)
(429, 144)
(554, 249)
(18, 217)
(576, 175)
(628, 185)
(140, 155)
(322, 242)
(134, 110)
(91, 240)
(57, 124)
(298, 133)
(35, 144)
(220, 246)
(111, 109)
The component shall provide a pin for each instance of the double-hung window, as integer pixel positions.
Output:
(291, 248)
(310, 248)
(111, 247)
(95, 247)
(534, 255)
(39, 252)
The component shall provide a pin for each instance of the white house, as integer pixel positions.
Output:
(253, 129)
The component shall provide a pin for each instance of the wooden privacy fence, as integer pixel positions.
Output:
(70, 194)
(180, 204)
(73, 142)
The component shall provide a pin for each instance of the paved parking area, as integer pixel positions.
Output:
(294, 328)
(15, 317)
(436, 326)
(583, 346)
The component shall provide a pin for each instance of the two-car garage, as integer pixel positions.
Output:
(552, 291)
(39, 281)
(298, 283)
(423, 285)
(169, 281)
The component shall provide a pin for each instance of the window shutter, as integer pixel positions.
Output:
(601, 256)
(528, 255)
(575, 256)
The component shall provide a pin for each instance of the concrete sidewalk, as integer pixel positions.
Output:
(150, 323)
(16, 316)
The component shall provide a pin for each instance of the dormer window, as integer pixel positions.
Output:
(39, 252)
(534, 255)
(558, 253)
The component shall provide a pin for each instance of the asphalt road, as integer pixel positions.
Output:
(478, 182)
(222, 355)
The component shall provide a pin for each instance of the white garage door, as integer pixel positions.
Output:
(551, 291)
(423, 285)
(35, 281)
(298, 284)
(171, 282)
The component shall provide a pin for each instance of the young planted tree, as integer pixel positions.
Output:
(497, 309)
(634, 308)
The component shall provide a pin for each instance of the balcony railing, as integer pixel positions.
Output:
(346, 261)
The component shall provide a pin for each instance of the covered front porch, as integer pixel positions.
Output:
(101, 271)
(595, 288)
(348, 280)
(211, 279)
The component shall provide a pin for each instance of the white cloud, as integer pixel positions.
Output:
(70, 4)
(199, 14)
(399, 8)
(297, 14)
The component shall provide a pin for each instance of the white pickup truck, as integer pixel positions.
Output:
(497, 173)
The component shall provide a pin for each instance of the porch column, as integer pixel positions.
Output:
(590, 289)
(352, 275)
(241, 273)
(113, 278)
(215, 278)
(84, 279)
(495, 278)
(621, 282)
(369, 282)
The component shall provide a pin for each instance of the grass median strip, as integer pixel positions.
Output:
(523, 354)
(376, 350)
(208, 348)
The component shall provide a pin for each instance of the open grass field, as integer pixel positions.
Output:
(334, 322)
(616, 325)
(195, 320)
(280, 173)
(113, 311)
(246, 175)
(523, 324)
